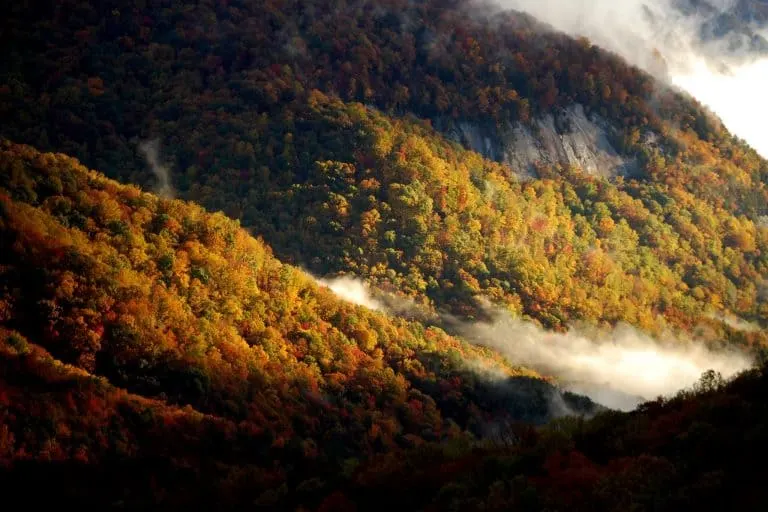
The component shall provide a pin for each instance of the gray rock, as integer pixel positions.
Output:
(571, 139)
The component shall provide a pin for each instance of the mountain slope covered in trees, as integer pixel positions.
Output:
(155, 355)
(700, 450)
(123, 314)
(256, 106)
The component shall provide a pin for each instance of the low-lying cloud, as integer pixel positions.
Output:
(619, 369)
(724, 72)
(358, 292)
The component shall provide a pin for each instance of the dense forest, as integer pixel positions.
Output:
(166, 350)
(129, 293)
(265, 111)
(154, 354)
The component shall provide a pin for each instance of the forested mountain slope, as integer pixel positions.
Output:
(255, 106)
(461, 159)
(123, 314)
(700, 450)
(157, 356)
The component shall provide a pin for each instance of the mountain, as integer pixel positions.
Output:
(157, 356)
(311, 123)
(469, 167)
(687, 452)
(128, 320)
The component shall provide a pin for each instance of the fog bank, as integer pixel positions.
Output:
(619, 369)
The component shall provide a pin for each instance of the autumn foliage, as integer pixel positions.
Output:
(135, 328)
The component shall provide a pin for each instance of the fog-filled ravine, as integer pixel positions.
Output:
(715, 50)
(619, 369)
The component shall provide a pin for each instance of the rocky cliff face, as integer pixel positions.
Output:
(569, 138)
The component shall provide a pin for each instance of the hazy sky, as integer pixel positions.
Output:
(623, 26)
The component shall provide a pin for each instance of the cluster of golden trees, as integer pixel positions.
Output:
(120, 304)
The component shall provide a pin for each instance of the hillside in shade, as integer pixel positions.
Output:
(700, 450)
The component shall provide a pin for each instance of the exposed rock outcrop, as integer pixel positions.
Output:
(569, 138)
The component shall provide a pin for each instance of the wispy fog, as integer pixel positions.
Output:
(150, 150)
(352, 290)
(619, 369)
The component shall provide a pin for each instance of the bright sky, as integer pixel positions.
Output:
(740, 99)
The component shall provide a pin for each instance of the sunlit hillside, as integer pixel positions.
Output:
(318, 255)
